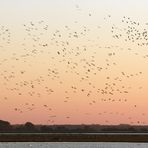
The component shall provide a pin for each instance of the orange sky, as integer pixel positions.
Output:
(73, 62)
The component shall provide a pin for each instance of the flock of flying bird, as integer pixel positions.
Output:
(63, 59)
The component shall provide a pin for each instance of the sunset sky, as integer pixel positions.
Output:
(74, 61)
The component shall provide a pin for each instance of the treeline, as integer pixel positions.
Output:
(28, 127)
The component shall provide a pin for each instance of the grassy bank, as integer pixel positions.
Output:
(72, 138)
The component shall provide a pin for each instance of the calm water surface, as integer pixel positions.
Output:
(72, 145)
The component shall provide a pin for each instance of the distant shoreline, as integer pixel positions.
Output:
(73, 137)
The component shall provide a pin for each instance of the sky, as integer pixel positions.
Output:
(74, 61)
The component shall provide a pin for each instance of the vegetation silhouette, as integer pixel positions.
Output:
(28, 127)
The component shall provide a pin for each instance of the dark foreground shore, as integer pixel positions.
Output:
(73, 138)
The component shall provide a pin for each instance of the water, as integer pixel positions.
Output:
(72, 145)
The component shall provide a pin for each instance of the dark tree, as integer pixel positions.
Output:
(5, 126)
